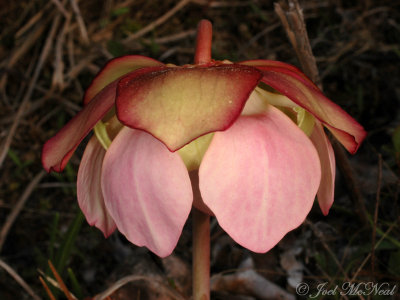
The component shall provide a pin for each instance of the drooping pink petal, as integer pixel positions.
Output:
(260, 178)
(300, 90)
(147, 190)
(116, 68)
(90, 196)
(324, 148)
(179, 104)
(59, 149)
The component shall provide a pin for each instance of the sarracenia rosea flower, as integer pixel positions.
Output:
(248, 136)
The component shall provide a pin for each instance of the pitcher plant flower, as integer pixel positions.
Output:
(249, 136)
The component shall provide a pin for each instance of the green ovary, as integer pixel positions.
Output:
(305, 120)
(192, 154)
(106, 131)
(100, 131)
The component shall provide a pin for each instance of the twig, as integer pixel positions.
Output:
(58, 74)
(36, 18)
(254, 39)
(351, 181)
(52, 185)
(37, 104)
(222, 4)
(168, 53)
(18, 207)
(376, 246)
(61, 283)
(23, 15)
(19, 280)
(20, 50)
(175, 37)
(81, 23)
(123, 281)
(157, 22)
(25, 100)
(46, 287)
(331, 282)
(378, 198)
(319, 234)
(78, 67)
(321, 237)
(293, 21)
(60, 7)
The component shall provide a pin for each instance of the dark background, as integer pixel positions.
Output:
(50, 51)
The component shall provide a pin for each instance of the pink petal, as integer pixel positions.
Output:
(179, 104)
(147, 190)
(90, 196)
(296, 86)
(59, 149)
(326, 189)
(260, 178)
(116, 68)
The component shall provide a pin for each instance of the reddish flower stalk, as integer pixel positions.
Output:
(201, 220)
(201, 255)
(203, 43)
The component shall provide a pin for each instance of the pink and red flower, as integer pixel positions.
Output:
(251, 131)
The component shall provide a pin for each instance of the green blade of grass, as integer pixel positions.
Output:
(68, 242)
(53, 235)
(76, 287)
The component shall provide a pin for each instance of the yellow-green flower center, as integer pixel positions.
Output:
(101, 133)
(305, 120)
(192, 154)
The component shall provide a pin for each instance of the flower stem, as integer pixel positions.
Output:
(201, 220)
(201, 255)
(203, 43)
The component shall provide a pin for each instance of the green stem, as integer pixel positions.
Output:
(201, 255)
